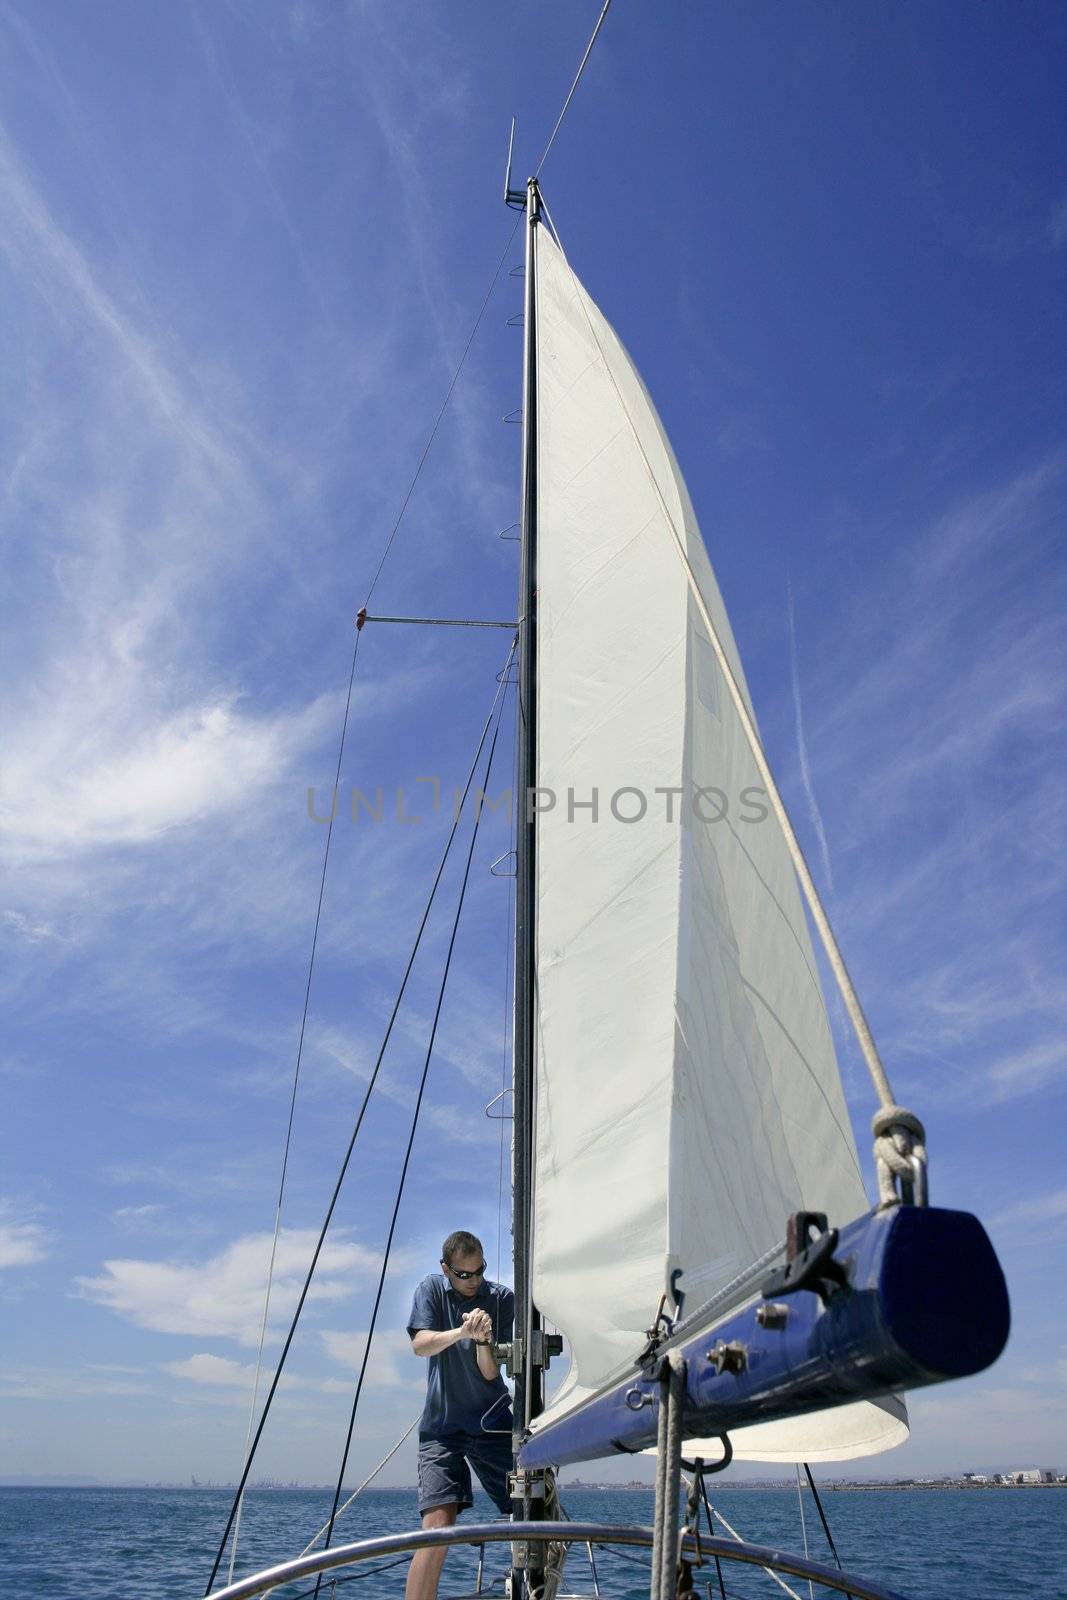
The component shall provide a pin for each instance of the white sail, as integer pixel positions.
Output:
(688, 1096)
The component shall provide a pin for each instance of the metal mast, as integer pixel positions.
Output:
(526, 1364)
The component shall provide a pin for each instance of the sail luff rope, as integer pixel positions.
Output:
(891, 1116)
(359, 1121)
(573, 87)
(479, 812)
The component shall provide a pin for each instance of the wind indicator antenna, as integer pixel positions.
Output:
(514, 198)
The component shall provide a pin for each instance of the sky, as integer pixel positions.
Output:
(243, 247)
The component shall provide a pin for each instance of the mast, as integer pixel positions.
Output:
(527, 1369)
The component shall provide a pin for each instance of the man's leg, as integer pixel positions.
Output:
(425, 1570)
(490, 1456)
(444, 1491)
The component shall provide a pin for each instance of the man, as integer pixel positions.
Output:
(467, 1418)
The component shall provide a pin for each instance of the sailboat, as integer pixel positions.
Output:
(689, 1208)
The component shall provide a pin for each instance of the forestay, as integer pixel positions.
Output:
(688, 1097)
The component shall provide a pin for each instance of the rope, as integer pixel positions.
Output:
(356, 1493)
(573, 87)
(668, 1477)
(355, 1132)
(478, 814)
(660, 1506)
(869, 1049)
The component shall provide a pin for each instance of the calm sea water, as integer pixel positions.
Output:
(144, 1544)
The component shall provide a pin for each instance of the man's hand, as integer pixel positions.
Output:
(477, 1326)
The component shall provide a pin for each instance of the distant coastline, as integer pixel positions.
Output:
(580, 1486)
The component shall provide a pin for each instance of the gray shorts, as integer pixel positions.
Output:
(445, 1476)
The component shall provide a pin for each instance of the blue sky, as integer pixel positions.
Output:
(242, 248)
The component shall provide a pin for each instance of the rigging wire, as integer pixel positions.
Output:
(573, 87)
(440, 415)
(825, 1524)
(326, 858)
(478, 814)
(292, 1100)
(355, 1132)
(712, 1512)
(250, 1443)
(804, 1527)
(368, 1480)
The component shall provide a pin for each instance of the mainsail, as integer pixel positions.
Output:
(688, 1097)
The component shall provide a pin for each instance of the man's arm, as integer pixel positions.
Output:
(475, 1325)
(429, 1342)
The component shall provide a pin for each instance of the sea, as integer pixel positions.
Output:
(158, 1544)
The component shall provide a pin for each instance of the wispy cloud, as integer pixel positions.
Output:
(60, 1383)
(940, 762)
(1050, 1207)
(223, 1296)
(22, 1240)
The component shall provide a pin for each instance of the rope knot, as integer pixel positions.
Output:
(900, 1156)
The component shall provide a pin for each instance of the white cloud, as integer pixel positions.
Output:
(179, 770)
(22, 1241)
(223, 1296)
(135, 1216)
(391, 1364)
(214, 1370)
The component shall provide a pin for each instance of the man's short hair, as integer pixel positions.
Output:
(460, 1243)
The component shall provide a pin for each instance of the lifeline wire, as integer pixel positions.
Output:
(355, 1132)
(478, 813)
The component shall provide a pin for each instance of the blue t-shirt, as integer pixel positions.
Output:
(457, 1395)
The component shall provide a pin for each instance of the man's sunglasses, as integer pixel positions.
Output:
(479, 1272)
